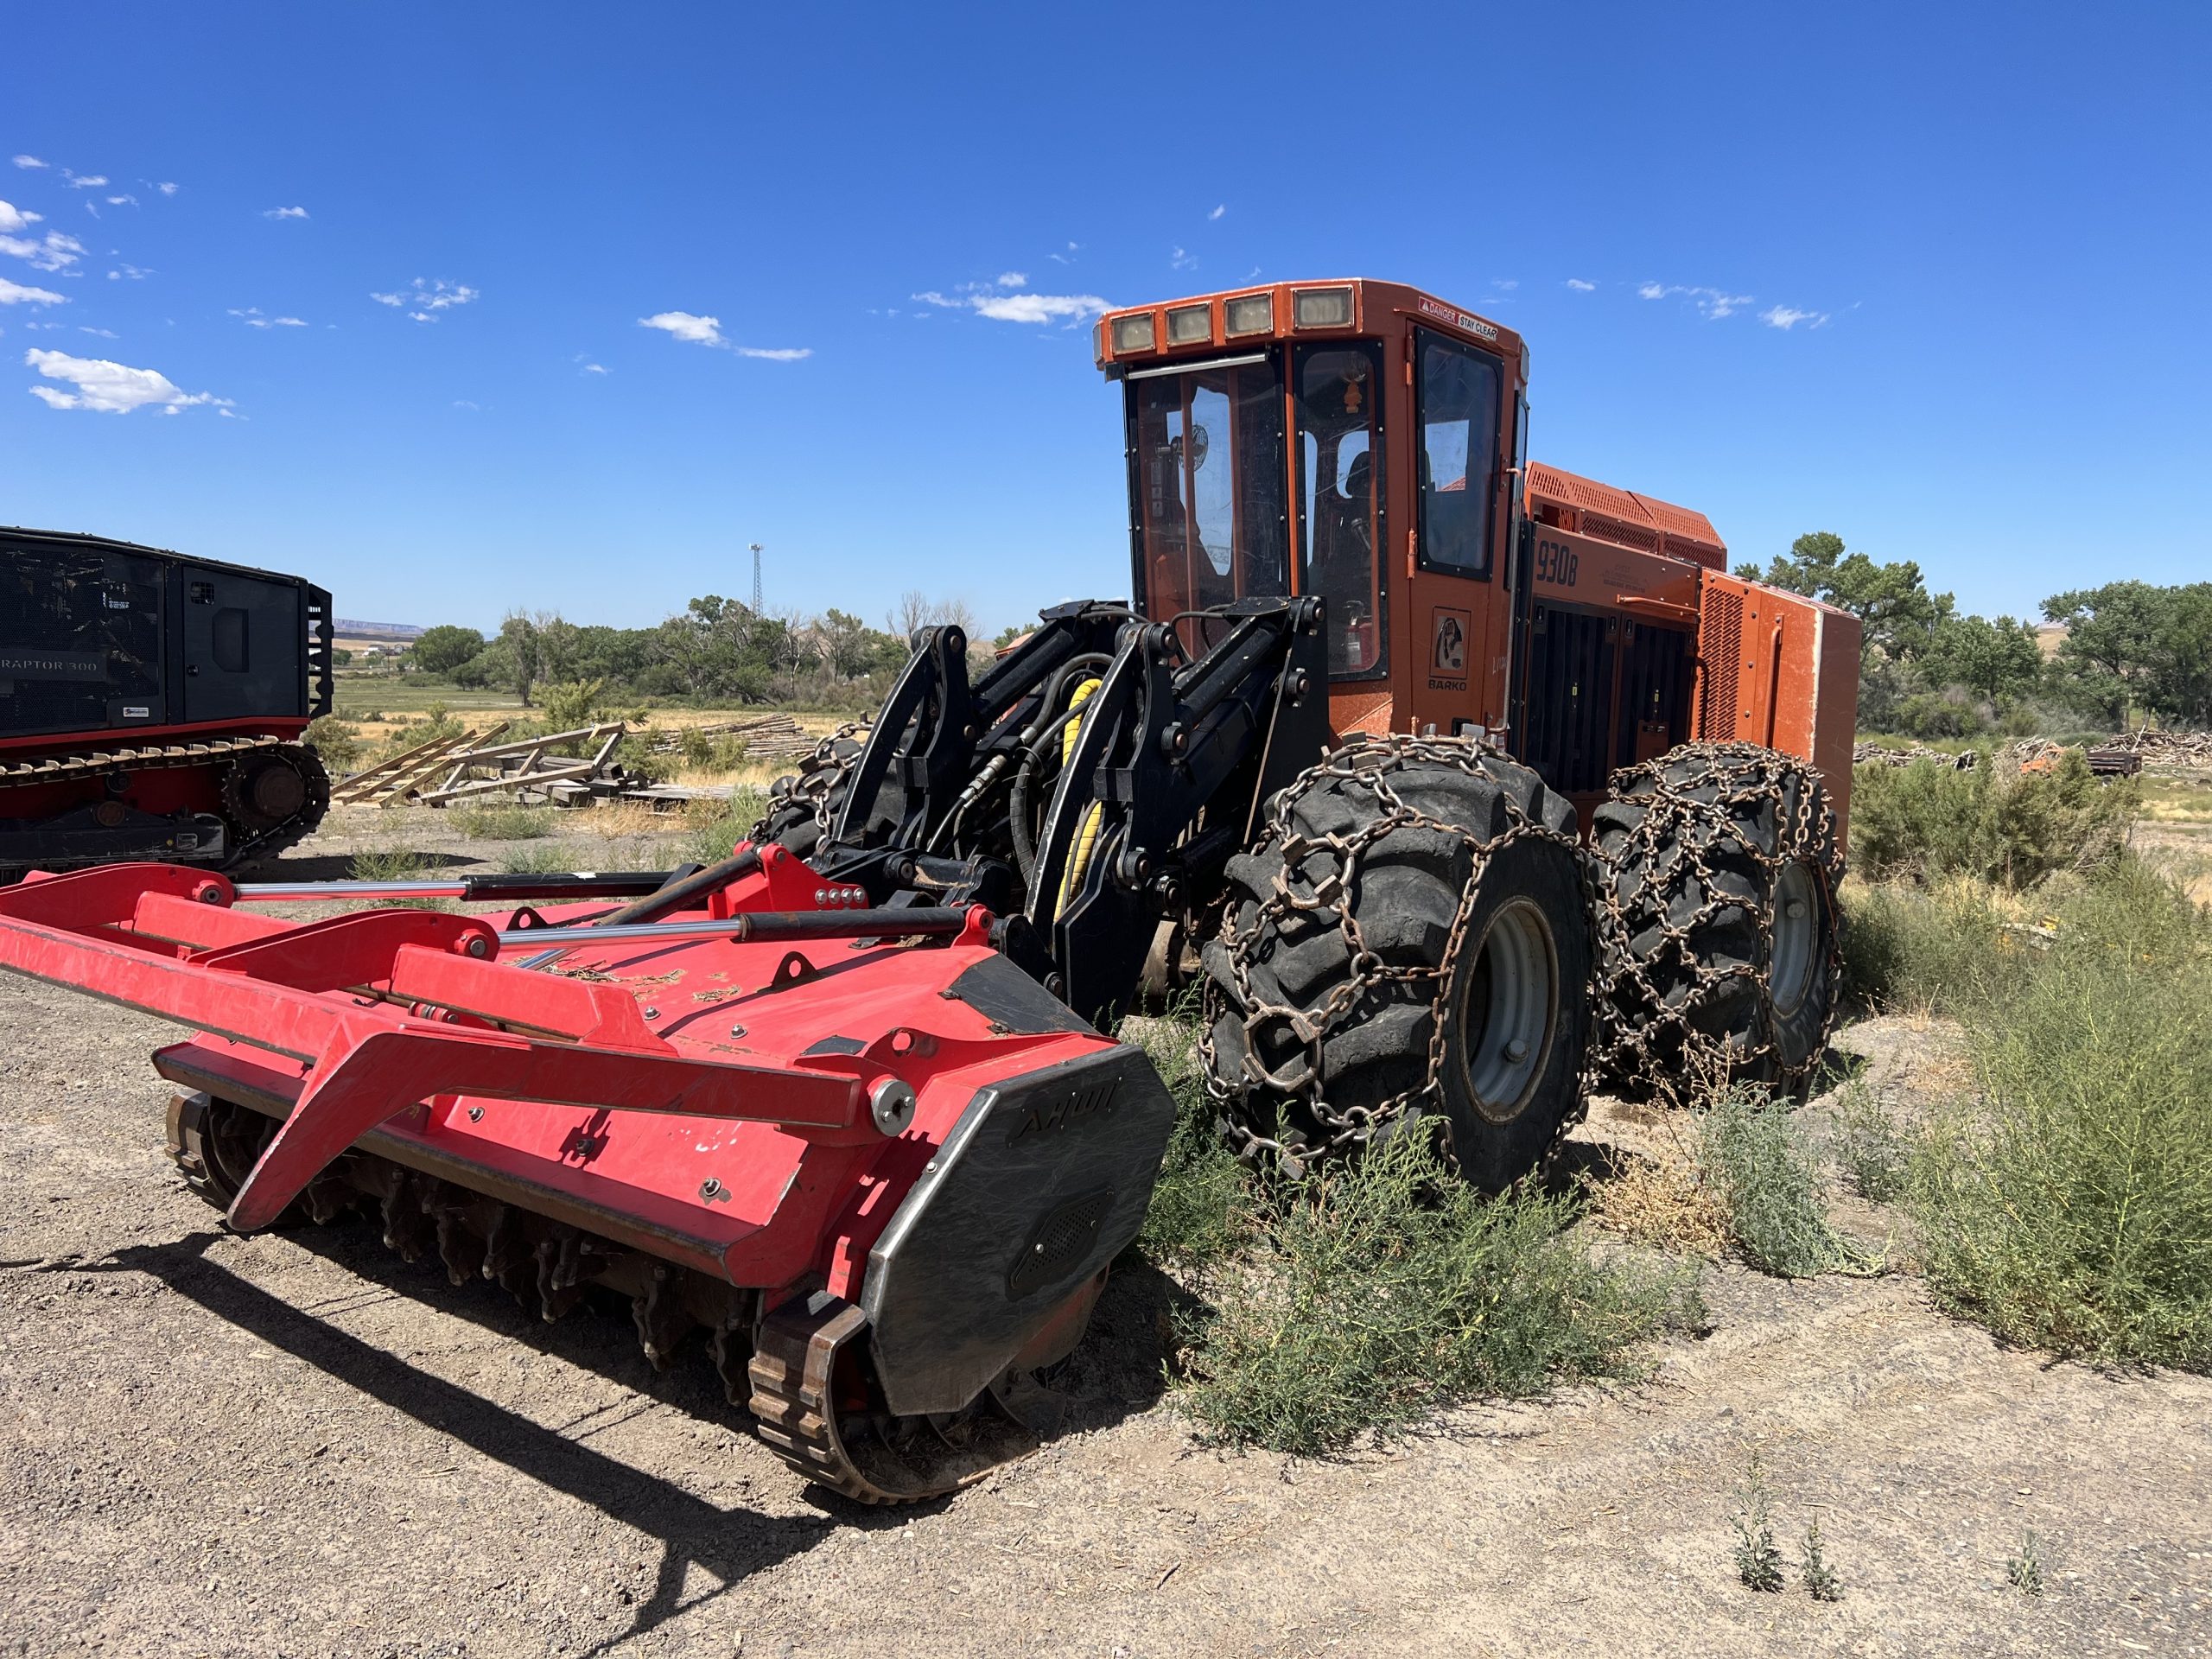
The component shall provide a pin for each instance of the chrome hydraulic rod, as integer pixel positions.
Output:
(487, 887)
(759, 926)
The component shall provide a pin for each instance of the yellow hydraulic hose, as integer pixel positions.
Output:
(1086, 838)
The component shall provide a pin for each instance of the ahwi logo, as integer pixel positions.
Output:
(1044, 1117)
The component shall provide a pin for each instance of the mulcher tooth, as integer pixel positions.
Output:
(329, 1196)
(731, 1345)
(508, 1260)
(461, 1245)
(663, 1319)
(560, 1261)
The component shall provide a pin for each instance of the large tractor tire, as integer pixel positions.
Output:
(802, 804)
(1717, 872)
(1411, 942)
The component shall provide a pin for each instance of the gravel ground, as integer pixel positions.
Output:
(295, 1444)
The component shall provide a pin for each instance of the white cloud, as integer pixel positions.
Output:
(13, 217)
(1037, 307)
(166, 189)
(930, 296)
(55, 251)
(1218, 211)
(1507, 284)
(594, 368)
(1711, 302)
(17, 294)
(1013, 279)
(29, 161)
(708, 331)
(1579, 286)
(463, 403)
(1786, 317)
(1181, 260)
(84, 180)
(123, 201)
(111, 388)
(137, 274)
(104, 333)
(284, 213)
(253, 318)
(699, 331)
(429, 296)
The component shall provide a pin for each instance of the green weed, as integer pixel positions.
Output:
(1758, 1558)
(1768, 1180)
(713, 828)
(2024, 1568)
(501, 822)
(2068, 1204)
(1368, 1298)
(535, 860)
(1870, 1146)
(1199, 1211)
(1815, 1569)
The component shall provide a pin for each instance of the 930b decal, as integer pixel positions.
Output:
(1557, 563)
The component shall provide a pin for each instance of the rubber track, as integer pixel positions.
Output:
(170, 755)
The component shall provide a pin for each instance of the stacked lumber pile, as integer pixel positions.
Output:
(524, 771)
(1863, 753)
(403, 777)
(765, 737)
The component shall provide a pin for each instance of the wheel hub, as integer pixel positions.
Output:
(1508, 1012)
(1796, 935)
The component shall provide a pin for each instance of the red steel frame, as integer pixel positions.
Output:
(673, 1095)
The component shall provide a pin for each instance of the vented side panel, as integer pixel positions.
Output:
(1720, 644)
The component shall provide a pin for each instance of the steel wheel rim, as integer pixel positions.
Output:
(1797, 935)
(1508, 1010)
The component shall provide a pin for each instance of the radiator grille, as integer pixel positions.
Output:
(1612, 530)
(1722, 648)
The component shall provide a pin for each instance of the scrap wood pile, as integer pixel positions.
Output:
(1863, 753)
(474, 765)
(2117, 759)
(2168, 751)
(767, 737)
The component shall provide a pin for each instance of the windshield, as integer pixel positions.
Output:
(1207, 450)
(1340, 492)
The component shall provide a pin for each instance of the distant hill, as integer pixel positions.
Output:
(351, 630)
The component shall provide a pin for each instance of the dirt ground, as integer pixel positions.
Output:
(295, 1444)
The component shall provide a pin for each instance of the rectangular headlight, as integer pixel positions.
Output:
(1133, 333)
(1190, 324)
(1322, 308)
(1252, 314)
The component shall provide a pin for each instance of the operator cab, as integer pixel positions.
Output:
(1356, 440)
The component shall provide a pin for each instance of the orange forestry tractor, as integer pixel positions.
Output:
(1456, 782)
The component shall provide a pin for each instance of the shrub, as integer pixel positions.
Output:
(713, 828)
(502, 823)
(337, 741)
(536, 859)
(1927, 821)
(1751, 1150)
(576, 702)
(1373, 1295)
(2070, 1205)
(1926, 946)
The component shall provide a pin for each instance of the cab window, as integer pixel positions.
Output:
(1340, 501)
(1456, 459)
(1206, 449)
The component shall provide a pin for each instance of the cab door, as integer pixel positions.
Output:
(1456, 542)
(243, 637)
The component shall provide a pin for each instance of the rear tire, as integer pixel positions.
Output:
(1717, 871)
(1411, 940)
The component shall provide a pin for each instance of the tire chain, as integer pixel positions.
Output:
(815, 780)
(1369, 761)
(1739, 774)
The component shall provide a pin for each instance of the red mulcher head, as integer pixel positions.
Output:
(861, 1146)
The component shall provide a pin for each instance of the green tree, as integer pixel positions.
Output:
(1999, 660)
(1896, 614)
(2133, 645)
(443, 649)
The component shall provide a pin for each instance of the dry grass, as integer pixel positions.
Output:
(1662, 1201)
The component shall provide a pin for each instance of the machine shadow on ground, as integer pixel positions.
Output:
(1117, 1371)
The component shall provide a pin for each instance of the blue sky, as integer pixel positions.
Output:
(1993, 222)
